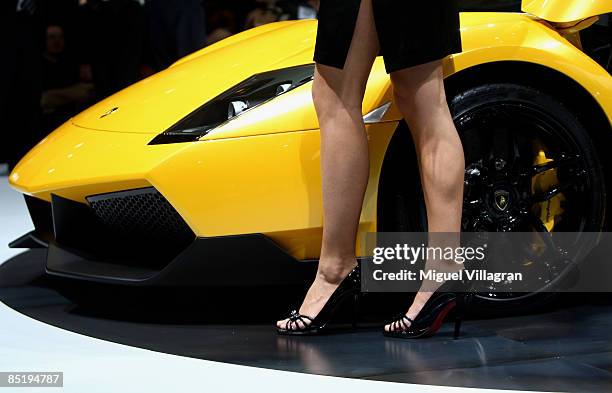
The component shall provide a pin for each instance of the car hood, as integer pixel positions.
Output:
(153, 105)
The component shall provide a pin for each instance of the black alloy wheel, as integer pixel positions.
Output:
(530, 167)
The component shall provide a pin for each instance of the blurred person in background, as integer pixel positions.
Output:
(67, 86)
(176, 29)
(20, 77)
(222, 24)
(265, 11)
(111, 40)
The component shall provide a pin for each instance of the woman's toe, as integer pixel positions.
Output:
(281, 324)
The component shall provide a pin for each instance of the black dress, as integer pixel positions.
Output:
(410, 32)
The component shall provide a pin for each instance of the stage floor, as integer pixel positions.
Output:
(568, 348)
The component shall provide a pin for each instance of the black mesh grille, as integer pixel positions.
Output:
(143, 216)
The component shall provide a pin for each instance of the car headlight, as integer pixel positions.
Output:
(245, 96)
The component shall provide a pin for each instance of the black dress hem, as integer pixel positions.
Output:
(410, 33)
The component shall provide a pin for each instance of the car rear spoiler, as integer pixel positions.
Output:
(565, 11)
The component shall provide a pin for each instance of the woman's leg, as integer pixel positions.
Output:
(420, 96)
(338, 96)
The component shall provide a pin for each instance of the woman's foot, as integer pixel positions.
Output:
(429, 287)
(428, 319)
(329, 276)
(418, 303)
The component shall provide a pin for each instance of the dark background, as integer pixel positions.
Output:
(60, 56)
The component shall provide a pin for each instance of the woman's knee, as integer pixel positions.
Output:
(420, 89)
(419, 99)
(328, 100)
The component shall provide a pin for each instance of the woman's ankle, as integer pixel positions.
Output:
(335, 269)
(418, 303)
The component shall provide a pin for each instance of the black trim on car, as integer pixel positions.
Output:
(243, 260)
(29, 240)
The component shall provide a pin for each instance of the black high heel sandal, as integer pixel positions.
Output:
(431, 317)
(348, 289)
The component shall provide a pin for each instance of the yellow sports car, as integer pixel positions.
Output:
(207, 173)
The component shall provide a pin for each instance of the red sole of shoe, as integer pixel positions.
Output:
(440, 318)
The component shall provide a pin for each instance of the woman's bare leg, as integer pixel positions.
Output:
(420, 96)
(338, 97)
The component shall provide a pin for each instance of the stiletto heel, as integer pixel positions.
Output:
(457, 331)
(463, 302)
(356, 300)
(459, 314)
(303, 325)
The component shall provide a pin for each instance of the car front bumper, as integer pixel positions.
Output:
(150, 245)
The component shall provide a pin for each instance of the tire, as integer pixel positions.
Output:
(401, 209)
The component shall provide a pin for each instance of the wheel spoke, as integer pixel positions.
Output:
(516, 151)
(503, 142)
(536, 223)
(556, 253)
(556, 190)
(547, 195)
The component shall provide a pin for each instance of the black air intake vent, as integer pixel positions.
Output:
(144, 218)
(144, 212)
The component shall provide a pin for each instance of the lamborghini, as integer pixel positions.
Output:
(207, 173)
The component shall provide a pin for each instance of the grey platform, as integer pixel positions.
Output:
(565, 349)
